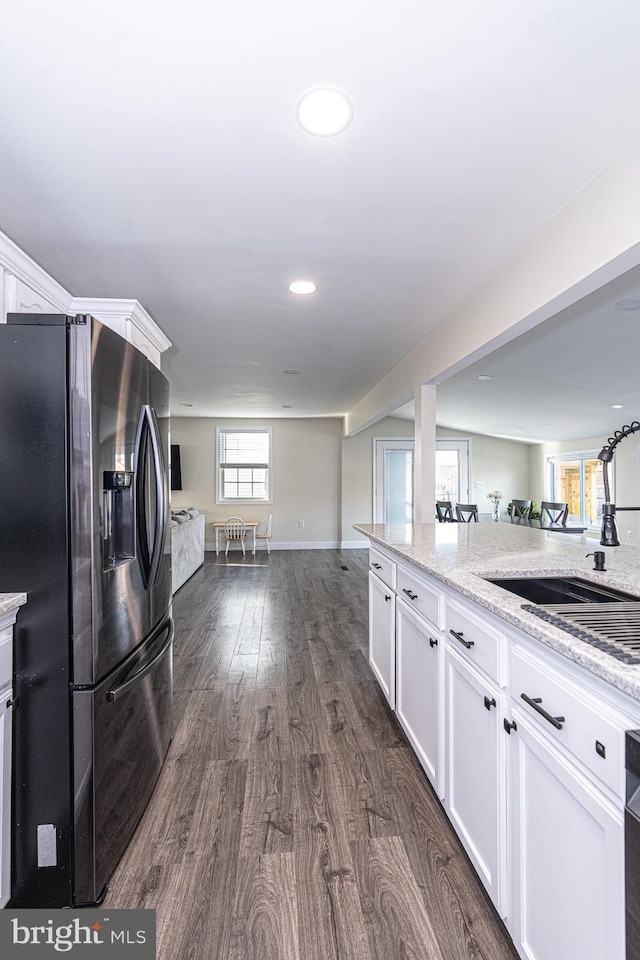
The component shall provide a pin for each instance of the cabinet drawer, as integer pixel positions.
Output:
(383, 567)
(475, 639)
(420, 595)
(593, 733)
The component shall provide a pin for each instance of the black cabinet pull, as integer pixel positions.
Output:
(412, 596)
(489, 702)
(387, 596)
(509, 725)
(535, 703)
(432, 642)
(460, 636)
(377, 566)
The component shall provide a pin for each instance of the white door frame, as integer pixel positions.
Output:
(380, 446)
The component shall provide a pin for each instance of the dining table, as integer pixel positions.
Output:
(251, 525)
(533, 524)
(552, 527)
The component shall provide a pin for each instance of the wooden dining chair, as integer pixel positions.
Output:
(266, 536)
(520, 510)
(444, 511)
(466, 512)
(555, 512)
(235, 531)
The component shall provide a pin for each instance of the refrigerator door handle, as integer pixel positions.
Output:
(161, 493)
(122, 688)
(150, 549)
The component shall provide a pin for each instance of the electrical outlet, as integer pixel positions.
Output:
(479, 484)
(301, 524)
(629, 535)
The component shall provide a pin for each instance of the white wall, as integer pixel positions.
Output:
(306, 477)
(357, 474)
(499, 464)
(324, 479)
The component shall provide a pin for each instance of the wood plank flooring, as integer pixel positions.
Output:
(291, 820)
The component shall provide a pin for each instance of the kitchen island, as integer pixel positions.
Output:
(519, 726)
(461, 556)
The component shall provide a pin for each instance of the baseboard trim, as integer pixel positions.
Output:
(354, 545)
(291, 545)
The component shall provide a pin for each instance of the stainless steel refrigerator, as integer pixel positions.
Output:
(84, 429)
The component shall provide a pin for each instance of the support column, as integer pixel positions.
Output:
(425, 454)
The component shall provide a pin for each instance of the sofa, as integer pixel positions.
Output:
(187, 545)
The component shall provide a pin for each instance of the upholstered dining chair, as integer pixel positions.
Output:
(466, 512)
(552, 511)
(235, 531)
(444, 511)
(520, 510)
(266, 536)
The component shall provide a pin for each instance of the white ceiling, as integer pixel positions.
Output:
(150, 150)
(558, 380)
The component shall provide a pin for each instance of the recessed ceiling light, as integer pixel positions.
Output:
(186, 404)
(630, 303)
(291, 373)
(484, 376)
(324, 113)
(302, 287)
(617, 406)
(287, 406)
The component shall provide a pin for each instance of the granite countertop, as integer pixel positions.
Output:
(461, 555)
(9, 601)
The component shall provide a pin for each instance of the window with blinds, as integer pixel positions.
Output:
(244, 460)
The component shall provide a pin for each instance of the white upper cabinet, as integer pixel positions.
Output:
(26, 288)
(24, 299)
(130, 320)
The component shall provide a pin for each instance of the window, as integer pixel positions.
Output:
(577, 480)
(244, 458)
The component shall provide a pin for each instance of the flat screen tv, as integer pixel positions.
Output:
(175, 470)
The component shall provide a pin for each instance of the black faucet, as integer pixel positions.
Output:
(609, 532)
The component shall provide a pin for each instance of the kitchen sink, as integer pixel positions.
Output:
(607, 618)
(547, 590)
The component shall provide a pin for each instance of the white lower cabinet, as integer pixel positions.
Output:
(5, 793)
(525, 750)
(6, 715)
(382, 636)
(475, 769)
(418, 674)
(567, 856)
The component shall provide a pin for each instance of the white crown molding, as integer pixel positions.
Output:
(17, 263)
(123, 310)
(121, 314)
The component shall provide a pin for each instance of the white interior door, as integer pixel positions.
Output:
(393, 493)
(452, 470)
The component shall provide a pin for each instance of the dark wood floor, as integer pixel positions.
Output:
(291, 819)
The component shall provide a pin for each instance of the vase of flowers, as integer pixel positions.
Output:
(495, 496)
